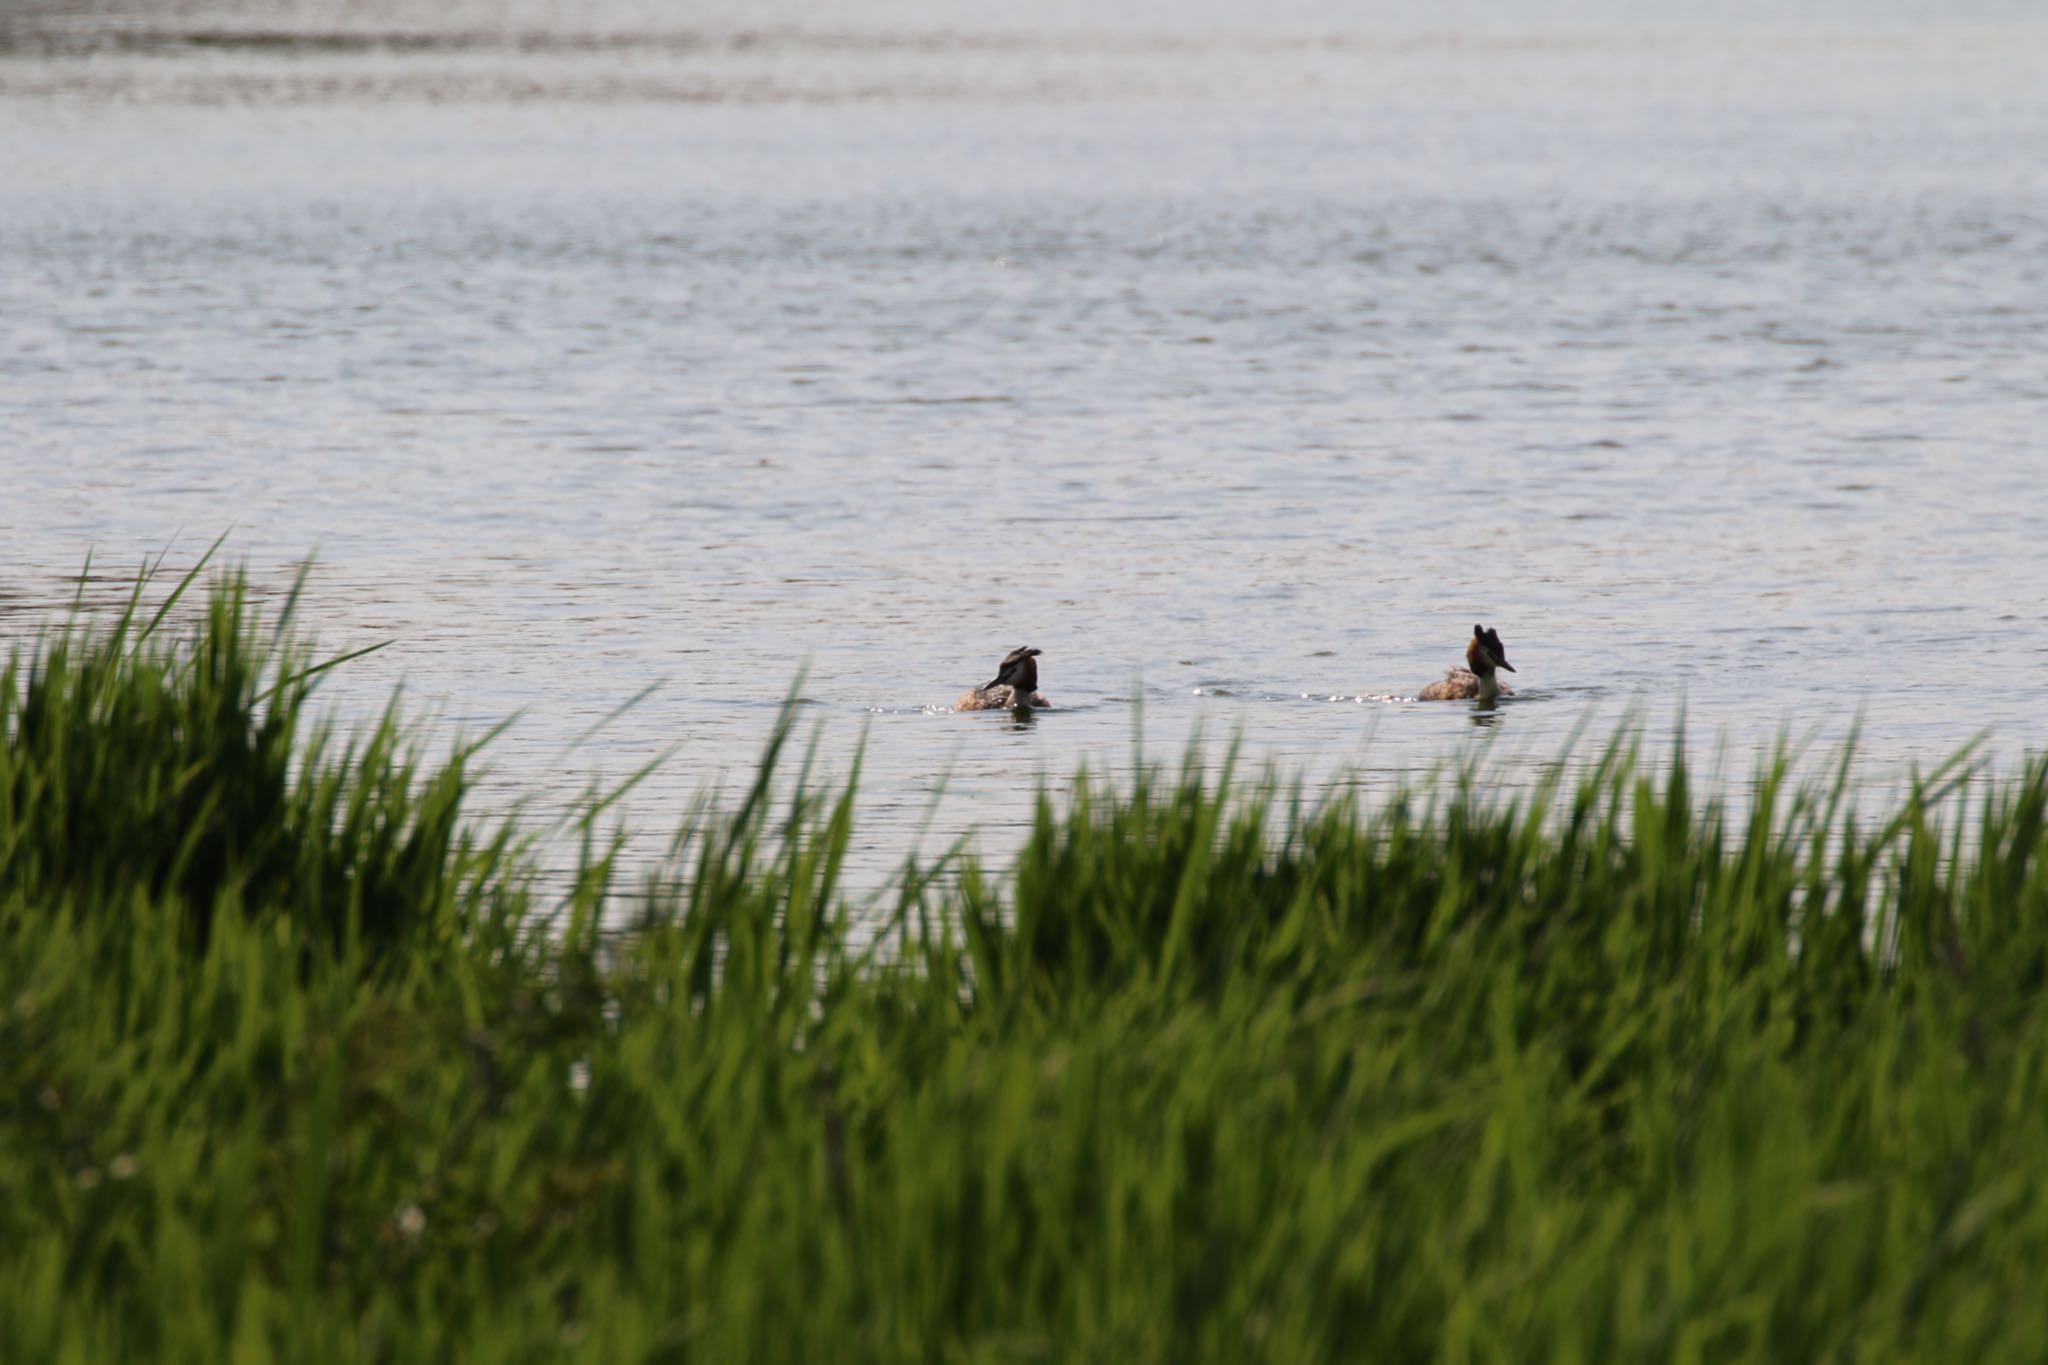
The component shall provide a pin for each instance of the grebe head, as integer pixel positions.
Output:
(1019, 670)
(1485, 652)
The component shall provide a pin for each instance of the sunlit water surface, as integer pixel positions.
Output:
(1239, 357)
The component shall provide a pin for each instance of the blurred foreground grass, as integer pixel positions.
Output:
(296, 1064)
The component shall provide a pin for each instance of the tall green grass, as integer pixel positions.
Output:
(178, 770)
(1611, 1070)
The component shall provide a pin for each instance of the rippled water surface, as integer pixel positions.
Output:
(1239, 357)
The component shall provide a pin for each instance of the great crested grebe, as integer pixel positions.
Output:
(1015, 687)
(1484, 655)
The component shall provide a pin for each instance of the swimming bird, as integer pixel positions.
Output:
(1015, 686)
(1484, 655)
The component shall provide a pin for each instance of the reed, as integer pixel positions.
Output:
(172, 765)
(1613, 1070)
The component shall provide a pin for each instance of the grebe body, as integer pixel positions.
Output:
(1014, 688)
(1477, 682)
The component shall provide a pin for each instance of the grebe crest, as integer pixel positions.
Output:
(1484, 655)
(1014, 687)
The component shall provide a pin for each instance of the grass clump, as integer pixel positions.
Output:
(154, 770)
(1612, 1071)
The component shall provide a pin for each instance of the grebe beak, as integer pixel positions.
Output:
(1503, 663)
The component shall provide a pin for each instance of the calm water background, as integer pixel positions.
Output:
(1238, 356)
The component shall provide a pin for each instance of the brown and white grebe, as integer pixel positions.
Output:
(1014, 688)
(1484, 655)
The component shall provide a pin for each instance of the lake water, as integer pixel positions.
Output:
(1239, 357)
